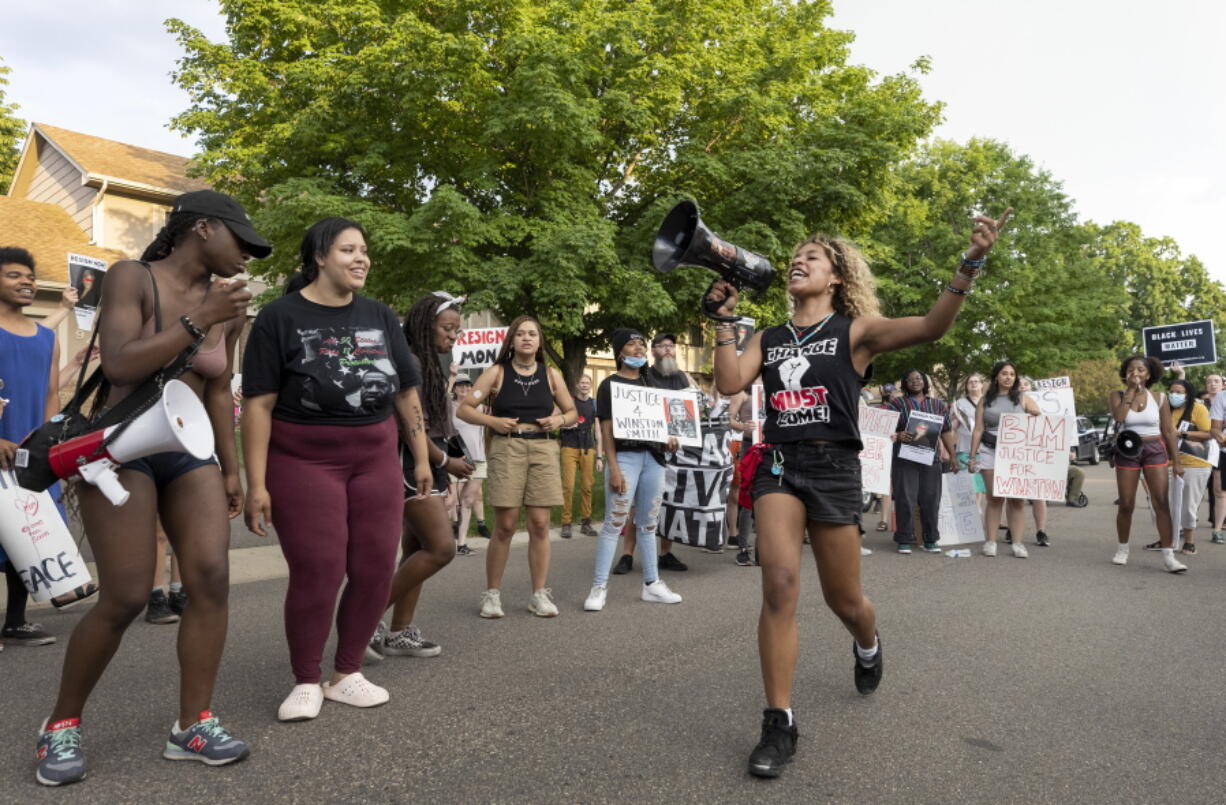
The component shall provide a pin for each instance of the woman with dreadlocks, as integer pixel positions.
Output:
(431, 327)
(326, 377)
(178, 295)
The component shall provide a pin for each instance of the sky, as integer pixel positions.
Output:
(1120, 100)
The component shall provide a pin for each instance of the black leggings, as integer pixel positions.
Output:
(15, 609)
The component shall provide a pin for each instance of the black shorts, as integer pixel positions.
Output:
(441, 479)
(825, 477)
(166, 467)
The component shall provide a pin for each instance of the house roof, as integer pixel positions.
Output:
(48, 233)
(128, 164)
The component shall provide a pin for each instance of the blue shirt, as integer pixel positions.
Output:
(25, 368)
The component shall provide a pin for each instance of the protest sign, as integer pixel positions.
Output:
(1191, 343)
(646, 414)
(85, 274)
(1054, 397)
(925, 428)
(477, 348)
(744, 331)
(758, 410)
(1031, 457)
(37, 541)
(877, 425)
(696, 481)
(959, 519)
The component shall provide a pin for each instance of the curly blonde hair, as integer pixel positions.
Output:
(856, 296)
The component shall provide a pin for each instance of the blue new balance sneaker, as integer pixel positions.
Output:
(60, 759)
(206, 741)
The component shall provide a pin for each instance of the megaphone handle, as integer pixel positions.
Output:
(710, 306)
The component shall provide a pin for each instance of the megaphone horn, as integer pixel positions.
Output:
(177, 423)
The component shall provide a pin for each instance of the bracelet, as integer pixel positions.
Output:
(958, 291)
(443, 463)
(968, 262)
(195, 332)
(727, 343)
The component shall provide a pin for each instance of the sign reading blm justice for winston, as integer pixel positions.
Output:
(1191, 343)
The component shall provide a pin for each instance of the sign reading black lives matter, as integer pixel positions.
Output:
(1191, 343)
(696, 480)
(646, 414)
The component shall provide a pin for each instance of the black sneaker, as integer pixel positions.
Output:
(565, 531)
(1008, 536)
(670, 562)
(27, 634)
(159, 610)
(744, 559)
(624, 565)
(464, 550)
(777, 746)
(1043, 540)
(482, 530)
(178, 601)
(868, 677)
(585, 528)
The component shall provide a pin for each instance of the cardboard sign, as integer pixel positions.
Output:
(477, 348)
(959, 519)
(877, 425)
(86, 275)
(926, 428)
(1031, 458)
(646, 414)
(1055, 398)
(1191, 343)
(696, 481)
(758, 408)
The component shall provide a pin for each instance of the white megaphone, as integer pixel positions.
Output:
(177, 423)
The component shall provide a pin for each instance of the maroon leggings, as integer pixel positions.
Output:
(337, 502)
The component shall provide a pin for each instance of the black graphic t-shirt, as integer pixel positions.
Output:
(328, 365)
(580, 436)
(812, 389)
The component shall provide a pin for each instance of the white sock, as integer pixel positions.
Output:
(176, 586)
(788, 710)
(1168, 552)
(176, 729)
(1123, 547)
(866, 654)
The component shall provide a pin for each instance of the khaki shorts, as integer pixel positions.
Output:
(524, 472)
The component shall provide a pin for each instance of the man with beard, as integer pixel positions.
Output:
(664, 373)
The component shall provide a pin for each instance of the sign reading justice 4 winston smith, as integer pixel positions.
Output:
(647, 414)
(1190, 343)
(1031, 457)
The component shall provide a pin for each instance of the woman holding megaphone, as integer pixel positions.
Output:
(805, 475)
(180, 294)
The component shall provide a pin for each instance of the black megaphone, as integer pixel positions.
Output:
(683, 239)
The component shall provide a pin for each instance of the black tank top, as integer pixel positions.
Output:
(812, 389)
(526, 397)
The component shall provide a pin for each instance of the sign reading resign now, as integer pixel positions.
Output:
(1191, 343)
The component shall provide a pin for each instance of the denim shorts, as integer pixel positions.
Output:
(166, 467)
(825, 477)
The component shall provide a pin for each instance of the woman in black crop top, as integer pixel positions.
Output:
(522, 460)
(805, 475)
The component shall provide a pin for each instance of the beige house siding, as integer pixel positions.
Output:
(55, 180)
(128, 224)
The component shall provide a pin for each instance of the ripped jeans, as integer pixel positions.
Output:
(644, 490)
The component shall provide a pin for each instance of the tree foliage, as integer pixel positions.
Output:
(525, 151)
(12, 132)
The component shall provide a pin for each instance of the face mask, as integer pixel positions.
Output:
(635, 363)
(1177, 400)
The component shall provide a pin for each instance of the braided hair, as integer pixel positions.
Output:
(419, 331)
(178, 224)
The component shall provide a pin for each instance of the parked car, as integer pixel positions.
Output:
(1088, 438)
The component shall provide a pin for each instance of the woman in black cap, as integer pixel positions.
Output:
(180, 294)
(805, 475)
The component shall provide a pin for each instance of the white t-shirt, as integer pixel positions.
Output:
(1218, 409)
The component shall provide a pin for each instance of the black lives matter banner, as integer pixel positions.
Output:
(696, 483)
(1191, 343)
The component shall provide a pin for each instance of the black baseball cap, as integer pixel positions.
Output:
(663, 337)
(212, 204)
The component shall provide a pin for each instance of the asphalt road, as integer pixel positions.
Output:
(1062, 678)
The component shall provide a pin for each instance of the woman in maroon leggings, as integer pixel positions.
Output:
(323, 373)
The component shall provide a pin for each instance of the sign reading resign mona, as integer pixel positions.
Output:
(1031, 457)
(477, 348)
(646, 414)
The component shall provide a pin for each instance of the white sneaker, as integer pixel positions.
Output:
(1019, 551)
(989, 548)
(1172, 564)
(596, 598)
(658, 593)
(866, 551)
(302, 704)
(491, 604)
(357, 691)
(1121, 555)
(541, 604)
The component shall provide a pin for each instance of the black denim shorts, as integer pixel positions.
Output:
(825, 477)
(166, 467)
(409, 466)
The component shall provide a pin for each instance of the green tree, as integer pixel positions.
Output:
(525, 151)
(1042, 301)
(1092, 381)
(12, 132)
